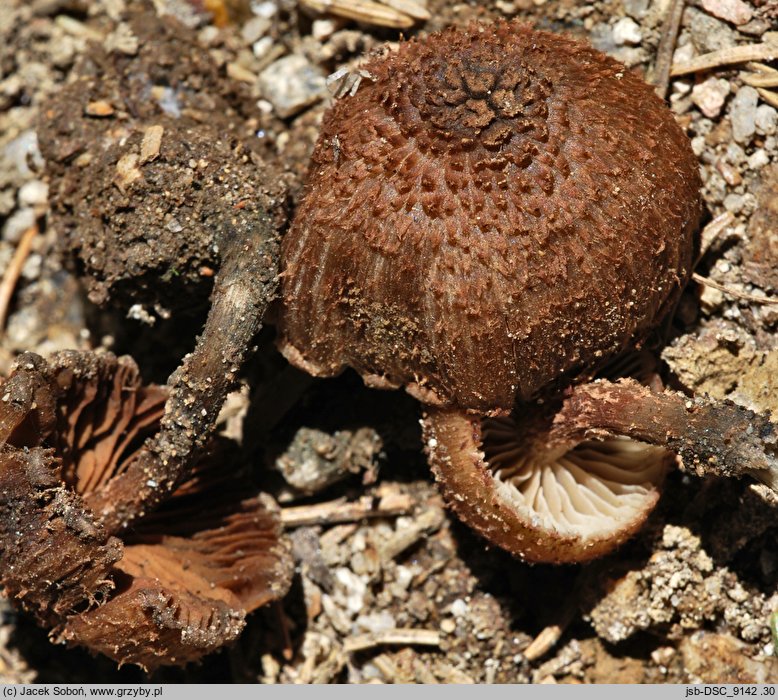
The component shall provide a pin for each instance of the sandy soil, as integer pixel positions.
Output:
(691, 598)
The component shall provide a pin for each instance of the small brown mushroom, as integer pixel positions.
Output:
(175, 587)
(563, 501)
(500, 209)
(570, 482)
(498, 212)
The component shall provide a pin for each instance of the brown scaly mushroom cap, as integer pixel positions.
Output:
(496, 210)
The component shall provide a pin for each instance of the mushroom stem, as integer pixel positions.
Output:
(710, 437)
(246, 283)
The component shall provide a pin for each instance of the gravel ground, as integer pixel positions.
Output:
(389, 586)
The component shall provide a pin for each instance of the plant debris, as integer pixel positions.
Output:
(175, 587)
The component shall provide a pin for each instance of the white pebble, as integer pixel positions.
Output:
(33, 193)
(262, 47)
(758, 159)
(742, 112)
(17, 224)
(766, 120)
(459, 608)
(291, 83)
(626, 31)
(733, 203)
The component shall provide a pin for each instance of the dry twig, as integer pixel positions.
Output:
(768, 96)
(427, 522)
(341, 511)
(366, 11)
(14, 270)
(767, 51)
(398, 636)
(548, 637)
(664, 54)
(733, 292)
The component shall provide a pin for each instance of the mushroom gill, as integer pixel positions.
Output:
(544, 501)
(570, 481)
(175, 586)
(590, 490)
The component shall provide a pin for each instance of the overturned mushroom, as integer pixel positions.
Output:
(175, 587)
(495, 215)
(570, 483)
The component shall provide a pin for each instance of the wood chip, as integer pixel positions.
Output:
(127, 171)
(713, 231)
(423, 673)
(761, 68)
(335, 535)
(767, 51)
(152, 140)
(768, 96)
(386, 666)
(243, 75)
(100, 108)
(427, 522)
(411, 8)
(341, 511)
(398, 636)
(75, 28)
(760, 80)
(362, 11)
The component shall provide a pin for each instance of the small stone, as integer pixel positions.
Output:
(323, 29)
(758, 159)
(742, 113)
(707, 32)
(662, 656)
(766, 120)
(99, 108)
(626, 31)
(636, 8)
(734, 203)
(735, 154)
(33, 193)
(756, 27)
(17, 224)
(459, 608)
(448, 626)
(710, 96)
(292, 83)
(262, 47)
(127, 171)
(376, 621)
(137, 312)
(267, 9)
(22, 152)
(152, 141)
(353, 589)
(174, 226)
(122, 40)
(735, 11)
(255, 28)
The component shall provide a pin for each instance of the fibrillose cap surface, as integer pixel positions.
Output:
(497, 209)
